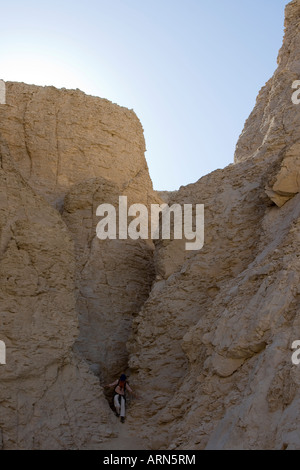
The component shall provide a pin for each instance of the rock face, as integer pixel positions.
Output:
(58, 138)
(205, 335)
(68, 299)
(113, 279)
(212, 345)
(44, 386)
(273, 129)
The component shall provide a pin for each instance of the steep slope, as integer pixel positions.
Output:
(48, 396)
(58, 138)
(212, 345)
(272, 129)
(206, 336)
(113, 278)
(68, 299)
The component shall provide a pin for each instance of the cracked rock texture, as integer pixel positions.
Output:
(205, 335)
(44, 386)
(58, 138)
(211, 347)
(113, 278)
(67, 298)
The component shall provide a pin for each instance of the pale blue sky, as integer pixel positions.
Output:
(190, 69)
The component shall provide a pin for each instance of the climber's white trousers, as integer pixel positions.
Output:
(120, 409)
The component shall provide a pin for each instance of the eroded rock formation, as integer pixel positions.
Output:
(68, 299)
(48, 395)
(212, 345)
(206, 336)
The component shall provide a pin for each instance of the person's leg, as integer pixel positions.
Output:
(117, 404)
(122, 414)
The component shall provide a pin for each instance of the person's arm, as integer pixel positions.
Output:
(131, 391)
(111, 385)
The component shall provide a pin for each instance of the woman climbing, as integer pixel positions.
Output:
(121, 386)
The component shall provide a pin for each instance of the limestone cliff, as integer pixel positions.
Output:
(212, 345)
(48, 395)
(205, 336)
(67, 298)
(58, 138)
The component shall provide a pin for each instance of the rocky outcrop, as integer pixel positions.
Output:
(205, 335)
(68, 299)
(48, 395)
(286, 182)
(212, 345)
(272, 129)
(113, 279)
(58, 138)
